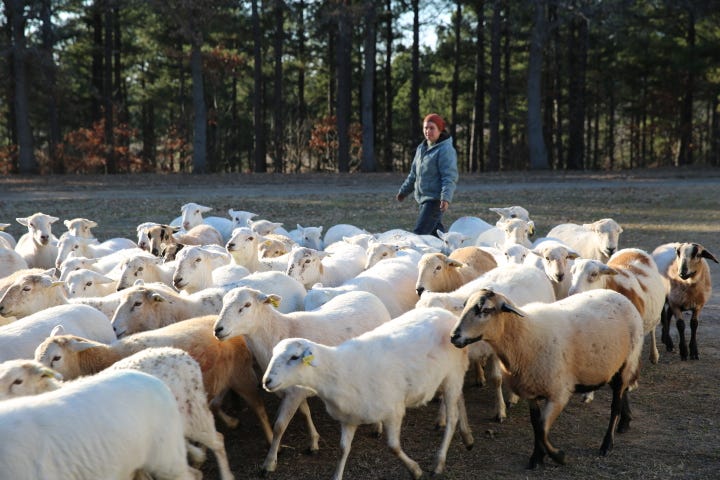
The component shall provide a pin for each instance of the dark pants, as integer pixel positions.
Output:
(429, 219)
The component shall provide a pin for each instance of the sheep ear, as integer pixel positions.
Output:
(308, 358)
(605, 270)
(138, 282)
(22, 221)
(509, 307)
(57, 331)
(67, 223)
(454, 263)
(572, 254)
(156, 297)
(272, 299)
(79, 344)
(709, 256)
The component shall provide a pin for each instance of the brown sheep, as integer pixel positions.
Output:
(225, 365)
(441, 273)
(689, 287)
(162, 237)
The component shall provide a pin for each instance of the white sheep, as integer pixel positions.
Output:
(23, 376)
(310, 237)
(80, 227)
(11, 242)
(470, 227)
(240, 218)
(633, 273)
(377, 251)
(38, 247)
(556, 259)
(147, 307)
(192, 216)
(376, 376)
(252, 314)
(10, 262)
(243, 247)
(688, 287)
(391, 280)
(597, 240)
(147, 268)
(180, 372)
(70, 245)
(339, 231)
(443, 273)
(330, 267)
(88, 283)
(551, 351)
(265, 227)
(36, 291)
(199, 267)
(224, 365)
(109, 265)
(104, 426)
(19, 339)
(523, 283)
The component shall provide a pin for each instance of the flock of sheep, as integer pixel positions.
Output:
(117, 355)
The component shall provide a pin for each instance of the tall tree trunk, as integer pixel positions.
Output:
(538, 37)
(10, 91)
(455, 87)
(258, 94)
(495, 88)
(557, 158)
(199, 107)
(96, 95)
(27, 163)
(715, 131)
(111, 164)
(611, 127)
(477, 143)
(577, 52)
(279, 107)
(506, 161)
(368, 89)
(302, 106)
(50, 70)
(388, 156)
(343, 61)
(415, 78)
(685, 154)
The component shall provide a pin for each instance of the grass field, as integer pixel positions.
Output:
(676, 427)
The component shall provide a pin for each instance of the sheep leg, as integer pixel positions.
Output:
(680, 324)
(654, 354)
(665, 318)
(480, 372)
(625, 414)
(495, 378)
(347, 433)
(541, 422)
(465, 432)
(392, 426)
(245, 384)
(693, 339)
(452, 414)
(314, 435)
(216, 408)
(538, 455)
(616, 408)
(288, 406)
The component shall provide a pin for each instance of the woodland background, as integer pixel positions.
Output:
(122, 86)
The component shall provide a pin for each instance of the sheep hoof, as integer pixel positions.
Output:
(499, 418)
(694, 356)
(559, 457)
(469, 446)
(265, 473)
(311, 451)
(623, 426)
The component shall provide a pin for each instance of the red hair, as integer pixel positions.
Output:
(436, 119)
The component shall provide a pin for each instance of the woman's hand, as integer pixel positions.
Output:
(444, 205)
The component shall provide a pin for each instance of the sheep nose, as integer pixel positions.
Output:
(230, 246)
(610, 250)
(155, 252)
(455, 339)
(419, 290)
(177, 281)
(560, 277)
(2, 308)
(186, 225)
(218, 332)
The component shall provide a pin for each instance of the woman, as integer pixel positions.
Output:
(433, 176)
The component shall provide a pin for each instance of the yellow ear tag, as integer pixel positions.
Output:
(274, 302)
(307, 360)
(267, 243)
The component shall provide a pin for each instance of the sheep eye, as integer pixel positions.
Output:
(295, 358)
(18, 381)
(307, 261)
(198, 260)
(384, 254)
(247, 305)
(56, 358)
(137, 304)
(88, 284)
(26, 289)
(250, 239)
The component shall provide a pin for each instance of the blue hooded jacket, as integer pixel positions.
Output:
(433, 173)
